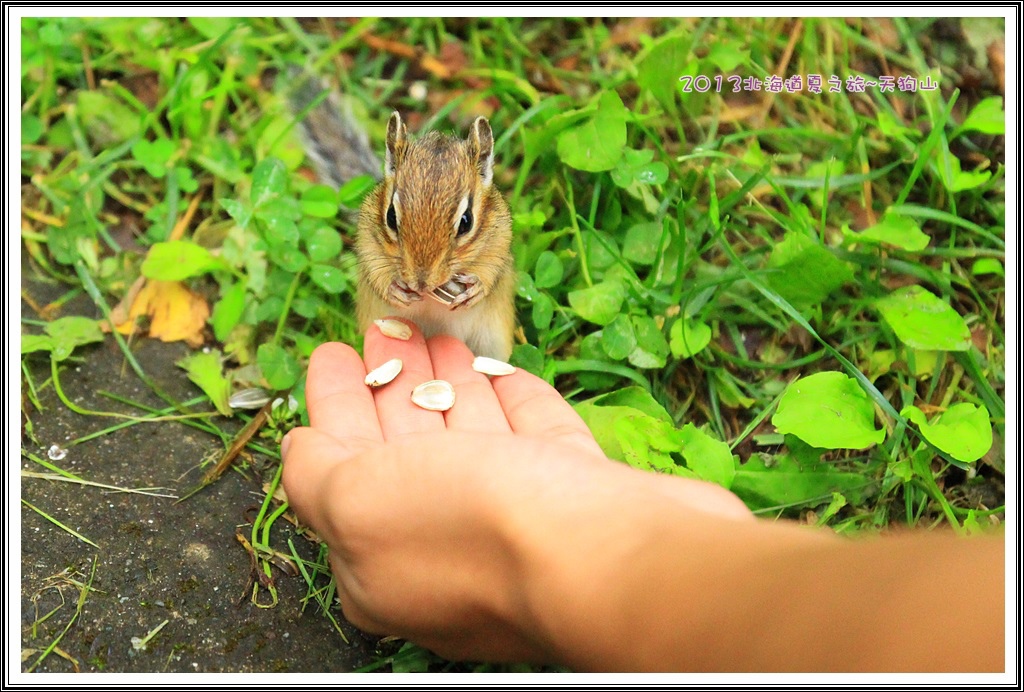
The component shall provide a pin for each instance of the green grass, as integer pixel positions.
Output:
(684, 257)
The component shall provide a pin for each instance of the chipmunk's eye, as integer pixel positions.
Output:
(465, 223)
(391, 218)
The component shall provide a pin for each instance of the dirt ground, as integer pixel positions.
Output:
(156, 560)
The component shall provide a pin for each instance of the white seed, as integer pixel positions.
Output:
(394, 329)
(435, 395)
(491, 366)
(448, 292)
(254, 397)
(384, 374)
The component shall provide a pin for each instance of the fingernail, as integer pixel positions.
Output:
(286, 442)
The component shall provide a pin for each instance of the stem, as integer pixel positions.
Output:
(584, 268)
(286, 309)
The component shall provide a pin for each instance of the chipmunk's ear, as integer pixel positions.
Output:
(396, 141)
(481, 146)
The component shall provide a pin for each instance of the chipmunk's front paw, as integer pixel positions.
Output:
(399, 293)
(474, 291)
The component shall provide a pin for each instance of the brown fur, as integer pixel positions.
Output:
(432, 175)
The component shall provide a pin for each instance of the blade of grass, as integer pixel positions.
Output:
(136, 491)
(83, 593)
(53, 521)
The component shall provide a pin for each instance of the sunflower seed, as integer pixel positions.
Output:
(435, 395)
(447, 293)
(490, 366)
(384, 374)
(394, 329)
(254, 397)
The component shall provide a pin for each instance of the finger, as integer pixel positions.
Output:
(310, 458)
(338, 401)
(395, 410)
(476, 405)
(533, 407)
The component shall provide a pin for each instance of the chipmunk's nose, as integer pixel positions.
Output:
(420, 284)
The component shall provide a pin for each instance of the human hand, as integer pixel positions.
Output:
(438, 523)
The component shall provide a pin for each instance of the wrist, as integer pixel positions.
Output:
(574, 542)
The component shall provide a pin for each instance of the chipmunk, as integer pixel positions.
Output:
(434, 235)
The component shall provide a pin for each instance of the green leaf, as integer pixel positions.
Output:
(651, 347)
(964, 431)
(238, 210)
(830, 410)
(529, 358)
(320, 201)
(66, 334)
(600, 248)
(892, 128)
(790, 484)
(923, 321)
(548, 271)
(634, 397)
(630, 435)
(727, 55)
(206, 371)
(176, 260)
(618, 338)
(71, 242)
(708, 457)
(894, 230)
(31, 129)
(660, 70)
(636, 166)
(411, 659)
(329, 278)
(282, 208)
(186, 181)
(281, 231)
(987, 117)
(642, 243)
(599, 304)
(352, 193)
(688, 337)
(804, 272)
(646, 443)
(154, 156)
(213, 27)
(307, 306)
(591, 349)
(957, 180)
(30, 343)
(543, 311)
(596, 145)
(228, 311)
(288, 258)
(323, 244)
(107, 120)
(269, 180)
(987, 265)
(279, 368)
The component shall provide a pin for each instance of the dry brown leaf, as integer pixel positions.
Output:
(453, 57)
(175, 313)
